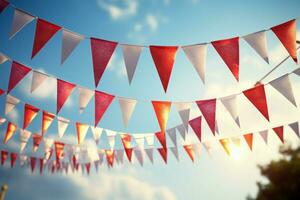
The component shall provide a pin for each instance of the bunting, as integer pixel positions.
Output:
(208, 110)
(3, 5)
(37, 79)
(196, 126)
(24, 137)
(4, 155)
(174, 150)
(10, 131)
(126, 141)
(163, 152)
(59, 150)
(85, 95)
(30, 113)
(230, 103)
(102, 101)
(264, 135)
(81, 131)
(32, 163)
(17, 73)
(62, 125)
(279, 132)
(184, 113)
(172, 134)
(70, 41)
(64, 90)
(189, 150)
(97, 132)
(20, 20)
(162, 109)
(36, 140)
(10, 103)
(3, 58)
(110, 154)
(149, 153)
(127, 107)
(13, 158)
(47, 119)
(295, 127)
(139, 154)
(249, 139)
(161, 136)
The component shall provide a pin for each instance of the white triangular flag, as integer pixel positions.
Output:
(197, 149)
(23, 159)
(140, 141)
(127, 107)
(283, 85)
(85, 96)
(119, 156)
(149, 153)
(264, 135)
(97, 132)
(21, 19)
(2, 120)
(131, 56)
(11, 102)
(37, 79)
(258, 42)
(62, 125)
(230, 103)
(69, 41)
(207, 147)
(172, 134)
(24, 137)
(101, 154)
(3, 58)
(138, 152)
(111, 137)
(297, 71)
(181, 129)
(295, 127)
(197, 56)
(184, 113)
(149, 139)
(174, 150)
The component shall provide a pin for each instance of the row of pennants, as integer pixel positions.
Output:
(102, 100)
(74, 155)
(163, 56)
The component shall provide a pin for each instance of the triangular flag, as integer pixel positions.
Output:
(21, 19)
(164, 153)
(44, 31)
(126, 141)
(182, 130)
(224, 142)
(197, 56)
(284, 86)
(139, 154)
(249, 139)
(297, 71)
(81, 131)
(3, 58)
(258, 41)
(13, 158)
(47, 119)
(228, 49)
(3, 5)
(10, 131)
(41, 165)
(208, 110)
(64, 90)
(196, 126)
(70, 40)
(161, 136)
(36, 140)
(164, 57)
(174, 150)
(62, 125)
(184, 113)
(131, 56)
(102, 101)
(197, 149)
(279, 132)
(24, 137)
(17, 73)
(286, 33)
(85, 96)
(230, 103)
(110, 154)
(97, 132)
(59, 150)
(162, 110)
(189, 150)
(149, 139)
(48, 143)
(172, 134)
(127, 107)
(257, 97)
(37, 79)
(23, 159)
(4, 155)
(32, 163)
(30, 113)
(264, 135)
(11, 102)
(1, 92)
(149, 153)
(119, 155)
(295, 127)
(102, 51)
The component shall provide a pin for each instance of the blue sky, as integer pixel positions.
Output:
(160, 22)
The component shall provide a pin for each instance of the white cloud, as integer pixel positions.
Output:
(152, 22)
(117, 12)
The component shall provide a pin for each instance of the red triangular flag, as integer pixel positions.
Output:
(88, 167)
(13, 158)
(44, 31)
(279, 132)
(249, 139)
(196, 126)
(64, 90)
(110, 154)
(41, 165)
(163, 152)
(17, 73)
(32, 163)
(59, 150)
(208, 110)
(257, 97)
(4, 155)
(161, 136)
(126, 141)
(37, 140)
(102, 51)
(46, 121)
(162, 109)
(11, 129)
(30, 113)
(102, 101)
(228, 49)
(164, 57)
(189, 150)
(286, 33)
(1, 92)
(3, 5)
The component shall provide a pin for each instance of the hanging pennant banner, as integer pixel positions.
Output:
(102, 101)
(32, 163)
(3, 58)
(279, 132)
(62, 125)
(284, 86)
(102, 50)
(23, 159)
(10, 131)
(162, 110)
(197, 149)
(182, 130)
(37, 80)
(4, 155)
(111, 137)
(224, 143)
(208, 110)
(97, 132)
(149, 153)
(228, 49)
(110, 154)
(264, 135)
(59, 149)
(41, 165)
(17, 73)
(163, 152)
(85, 96)
(44, 31)
(149, 139)
(196, 125)
(164, 57)
(174, 150)
(249, 139)
(189, 150)
(286, 33)
(172, 134)
(3, 5)
(126, 141)
(184, 113)
(48, 143)
(127, 107)
(230, 103)
(70, 41)
(13, 158)
(161, 136)
(138, 152)
(47, 119)
(197, 56)
(119, 156)
(64, 90)
(20, 20)
(30, 113)
(24, 137)
(258, 41)
(257, 97)
(11, 102)
(131, 56)
(36, 140)
(81, 131)
(295, 127)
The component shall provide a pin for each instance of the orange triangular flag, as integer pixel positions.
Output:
(224, 143)
(46, 121)
(249, 139)
(162, 110)
(30, 113)
(81, 131)
(11, 129)
(126, 141)
(189, 150)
